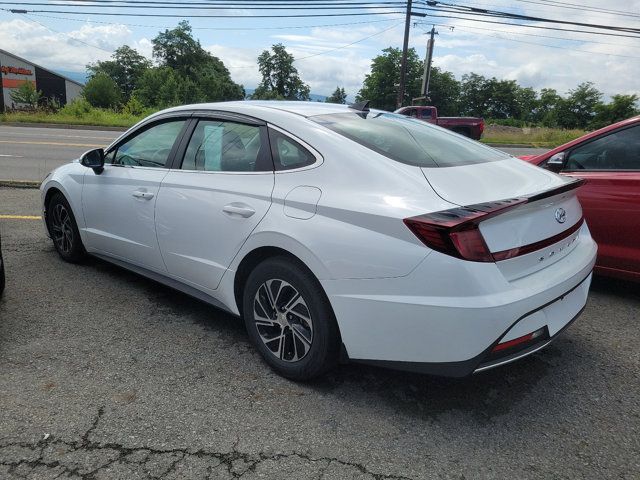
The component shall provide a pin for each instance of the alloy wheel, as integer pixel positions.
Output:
(283, 320)
(62, 228)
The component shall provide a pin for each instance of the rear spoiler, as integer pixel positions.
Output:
(567, 187)
(470, 214)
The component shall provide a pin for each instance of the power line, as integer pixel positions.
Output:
(553, 46)
(541, 27)
(582, 8)
(160, 15)
(66, 34)
(331, 50)
(228, 6)
(204, 5)
(463, 9)
(352, 43)
(216, 28)
(465, 27)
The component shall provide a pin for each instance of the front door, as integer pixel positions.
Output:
(212, 200)
(611, 196)
(119, 203)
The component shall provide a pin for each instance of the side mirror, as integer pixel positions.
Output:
(556, 162)
(93, 159)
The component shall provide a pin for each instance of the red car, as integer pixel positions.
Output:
(471, 127)
(609, 160)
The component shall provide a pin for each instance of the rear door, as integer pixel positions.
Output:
(215, 194)
(610, 164)
(119, 203)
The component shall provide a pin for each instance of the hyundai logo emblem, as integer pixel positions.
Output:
(561, 215)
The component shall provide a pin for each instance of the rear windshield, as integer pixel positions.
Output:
(407, 140)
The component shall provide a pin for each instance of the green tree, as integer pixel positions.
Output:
(26, 94)
(102, 91)
(527, 103)
(196, 68)
(125, 68)
(159, 88)
(474, 95)
(444, 92)
(620, 108)
(381, 84)
(579, 108)
(546, 108)
(280, 79)
(338, 96)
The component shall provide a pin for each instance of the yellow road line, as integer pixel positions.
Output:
(20, 217)
(54, 143)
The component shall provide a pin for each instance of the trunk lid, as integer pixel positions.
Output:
(529, 236)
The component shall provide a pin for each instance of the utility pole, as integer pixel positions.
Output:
(427, 64)
(403, 64)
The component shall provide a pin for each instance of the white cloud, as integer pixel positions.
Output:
(70, 51)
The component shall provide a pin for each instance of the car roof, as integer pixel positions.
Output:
(305, 109)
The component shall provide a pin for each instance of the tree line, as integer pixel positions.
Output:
(503, 101)
(183, 72)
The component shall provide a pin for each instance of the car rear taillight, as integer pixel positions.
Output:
(528, 338)
(455, 232)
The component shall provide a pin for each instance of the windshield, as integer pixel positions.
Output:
(409, 141)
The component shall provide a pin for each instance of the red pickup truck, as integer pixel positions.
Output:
(471, 127)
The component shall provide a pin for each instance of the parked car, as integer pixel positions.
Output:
(609, 161)
(335, 232)
(471, 127)
(2, 277)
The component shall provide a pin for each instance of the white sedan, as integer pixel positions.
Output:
(337, 233)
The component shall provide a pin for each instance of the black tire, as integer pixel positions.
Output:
(302, 353)
(64, 230)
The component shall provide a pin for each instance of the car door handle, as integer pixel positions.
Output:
(240, 209)
(144, 195)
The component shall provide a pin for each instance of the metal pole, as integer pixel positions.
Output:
(403, 64)
(427, 76)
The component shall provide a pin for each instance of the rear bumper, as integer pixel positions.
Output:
(484, 361)
(447, 315)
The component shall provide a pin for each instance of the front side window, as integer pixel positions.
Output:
(619, 150)
(225, 146)
(409, 141)
(150, 148)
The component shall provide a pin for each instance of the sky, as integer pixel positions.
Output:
(330, 55)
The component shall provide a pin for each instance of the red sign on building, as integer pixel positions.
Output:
(15, 70)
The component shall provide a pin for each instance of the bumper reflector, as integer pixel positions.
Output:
(517, 341)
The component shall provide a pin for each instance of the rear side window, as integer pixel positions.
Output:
(409, 141)
(287, 153)
(224, 146)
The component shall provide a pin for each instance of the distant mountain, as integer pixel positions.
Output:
(314, 97)
(80, 77)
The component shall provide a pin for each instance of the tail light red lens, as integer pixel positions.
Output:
(455, 232)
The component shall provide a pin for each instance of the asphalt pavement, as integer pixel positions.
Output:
(30, 153)
(104, 374)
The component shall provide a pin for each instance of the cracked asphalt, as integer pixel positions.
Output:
(107, 375)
